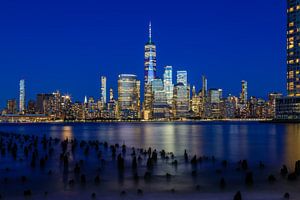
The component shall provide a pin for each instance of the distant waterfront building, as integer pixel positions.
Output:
(31, 107)
(160, 105)
(204, 86)
(43, 103)
(168, 84)
(195, 103)
(150, 59)
(288, 108)
(111, 94)
(11, 106)
(213, 103)
(128, 96)
(272, 103)
(22, 96)
(244, 92)
(103, 89)
(181, 101)
(182, 77)
(293, 48)
(149, 74)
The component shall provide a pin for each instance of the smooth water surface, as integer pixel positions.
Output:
(271, 143)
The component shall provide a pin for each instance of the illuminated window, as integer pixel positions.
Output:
(291, 24)
(291, 31)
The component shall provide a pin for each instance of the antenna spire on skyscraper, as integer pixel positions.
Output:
(150, 32)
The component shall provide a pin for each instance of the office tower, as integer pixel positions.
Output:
(204, 87)
(22, 96)
(149, 75)
(244, 93)
(168, 84)
(215, 95)
(150, 59)
(213, 105)
(293, 48)
(288, 108)
(43, 103)
(111, 94)
(182, 77)
(181, 101)
(128, 96)
(160, 106)
(31, 107)
(103, 90)
(85, 100)
(11, 106)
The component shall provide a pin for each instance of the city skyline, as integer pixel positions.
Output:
(197, 63)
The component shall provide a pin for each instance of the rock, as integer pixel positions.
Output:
(271, 178)
(147, 176)
(27, 193)
(284, 170)
(139, 191)
(286, 195)
(297, 167)
(237, 196)
(71, 182)
(83, 179)
(168, 176)
(222, 183)
(97, 179)
(249, 178)
(194, 173)
(224, 163)
(244, 165)
(292, 176)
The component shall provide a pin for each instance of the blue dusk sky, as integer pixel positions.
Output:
(68, 45)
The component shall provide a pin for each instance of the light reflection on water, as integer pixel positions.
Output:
(271, 143)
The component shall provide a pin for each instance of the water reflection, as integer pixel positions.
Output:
(292, 143)
(67, 132)
(273, 143)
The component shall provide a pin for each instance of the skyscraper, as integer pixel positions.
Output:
(129, 96)
(149, 75)
(150, 59)
(111, 94)
(168, 84)
(182, 77)
(244, 93)
(204, 87)
(12, 106)
(103, 89)
(160, 106)
(22, 96)
(293, 48)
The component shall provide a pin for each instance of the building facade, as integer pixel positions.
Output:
(22, 96)
(128, 96)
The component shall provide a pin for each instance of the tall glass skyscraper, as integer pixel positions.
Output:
(293, 48)
(150, 75)
(182, 77)
(22, 96)
(128, 96)
(168, 84)
(103, 89)
(150, 59)
(244, 93)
